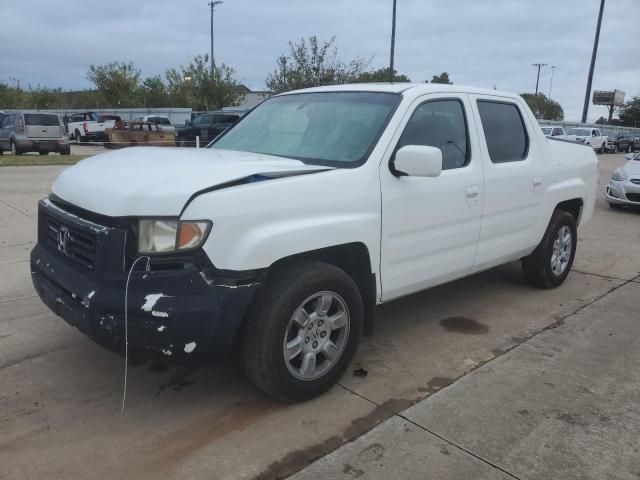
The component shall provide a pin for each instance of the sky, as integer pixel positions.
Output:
(482, 43)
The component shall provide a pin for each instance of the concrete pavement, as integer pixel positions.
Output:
(60, 394)
(565, 404)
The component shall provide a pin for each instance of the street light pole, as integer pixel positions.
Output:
(587, 94)
(539, 65)
(213, 62)
(393, 42)
(553, 67)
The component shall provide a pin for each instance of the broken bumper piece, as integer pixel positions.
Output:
(173, 313)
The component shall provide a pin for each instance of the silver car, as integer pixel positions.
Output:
(23, 132)
(624, 186)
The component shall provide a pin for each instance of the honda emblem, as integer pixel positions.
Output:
(63, 239)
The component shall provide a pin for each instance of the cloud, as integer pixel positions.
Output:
(479, 43)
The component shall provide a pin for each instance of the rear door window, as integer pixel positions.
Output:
(46, 120)
(504, 131)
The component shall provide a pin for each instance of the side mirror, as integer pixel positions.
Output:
(418, 161)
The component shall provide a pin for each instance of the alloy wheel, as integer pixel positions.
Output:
(562, 248)
(316, 335)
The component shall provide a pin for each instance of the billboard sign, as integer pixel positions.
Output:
(615, 97)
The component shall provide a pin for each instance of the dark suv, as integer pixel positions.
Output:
(627, 144)
(23, 132)
(207, 126)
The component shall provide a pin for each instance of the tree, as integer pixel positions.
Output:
(118, 83)
(442, 78)
(312, 63)
(543, 107)
(194, 85)
(381, 75)
(601, 121)
(154, 92)
(630, 113)
(12, 97)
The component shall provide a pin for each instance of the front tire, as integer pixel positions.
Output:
(14, 149)
(551, 261)
(303, 331)
(77, 137)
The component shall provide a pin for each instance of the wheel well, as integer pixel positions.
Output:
(354, 259)
(574, 207)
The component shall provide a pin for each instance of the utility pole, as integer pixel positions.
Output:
(393, 42)
(587, 94)
(539, 65)
(213, 4)
(553, 67)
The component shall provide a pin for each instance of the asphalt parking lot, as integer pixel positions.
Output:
(464, 359)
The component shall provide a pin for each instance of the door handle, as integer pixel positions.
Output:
(473, 192)
(537, 181)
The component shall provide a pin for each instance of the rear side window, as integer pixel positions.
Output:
(441, 124)
(41, 119)
(504, 130)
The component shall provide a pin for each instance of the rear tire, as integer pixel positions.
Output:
(551, 261)
(303, 331)
(14, 149)
(43, 153)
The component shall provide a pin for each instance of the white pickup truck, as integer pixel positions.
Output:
(589, 136)
(89, 126)
(274, 245)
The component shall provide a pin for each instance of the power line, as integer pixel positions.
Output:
(553, 67)
(587, 94)
(393, 42)
(539, 65)
(213, 61)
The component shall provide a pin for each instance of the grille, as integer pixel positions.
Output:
(77, 245)
(634, 197)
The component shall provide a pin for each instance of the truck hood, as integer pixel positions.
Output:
(158, 181)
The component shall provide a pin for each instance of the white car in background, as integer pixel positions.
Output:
(624, 186)
(589, 136)
(163, 122)
(551, 131)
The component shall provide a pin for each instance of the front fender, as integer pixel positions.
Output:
(257, 224)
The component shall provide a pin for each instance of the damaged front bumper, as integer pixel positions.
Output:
(175, 309)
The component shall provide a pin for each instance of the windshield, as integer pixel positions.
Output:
(546, 131)
(203, 119)
(580, 132)
(329, 128)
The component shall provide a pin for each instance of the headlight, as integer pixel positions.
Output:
(171, 235)
(619, 175)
